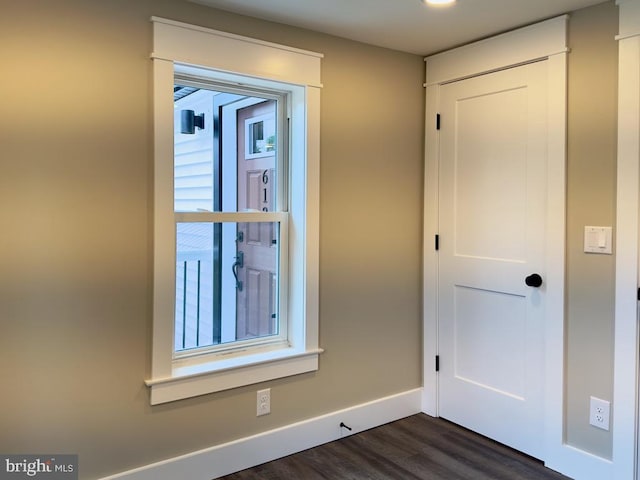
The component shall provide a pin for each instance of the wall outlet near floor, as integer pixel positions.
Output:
(599, 413)
(264, 402)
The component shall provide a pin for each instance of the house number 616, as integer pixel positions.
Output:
(265, 181)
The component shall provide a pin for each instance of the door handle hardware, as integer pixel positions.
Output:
(239, 263)
(239, 259)
(533, 280)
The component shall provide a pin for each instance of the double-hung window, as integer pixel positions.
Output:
(236, 166)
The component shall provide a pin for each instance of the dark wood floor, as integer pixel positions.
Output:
(417, 447)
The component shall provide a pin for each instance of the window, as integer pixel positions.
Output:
(230, 269)
(235, 211)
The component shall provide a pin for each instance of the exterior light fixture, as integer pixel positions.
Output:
(189, 121)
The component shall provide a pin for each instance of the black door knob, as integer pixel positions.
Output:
(533, 280)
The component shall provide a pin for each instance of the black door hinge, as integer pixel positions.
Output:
(437, 363)
(639, 294)
(437, 121)
(437, 242)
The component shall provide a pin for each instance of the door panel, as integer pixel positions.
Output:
(479, 311)
(490, 169)
(492, 235)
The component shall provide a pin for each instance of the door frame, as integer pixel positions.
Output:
(626, 364)
(542, 41)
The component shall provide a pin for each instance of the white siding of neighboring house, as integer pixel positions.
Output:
(194, 191)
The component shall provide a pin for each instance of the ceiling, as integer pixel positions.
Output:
(406, 25)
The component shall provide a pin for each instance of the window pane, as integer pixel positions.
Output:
(195, 168)
(225, 148)
(197, 316)
(226, 283)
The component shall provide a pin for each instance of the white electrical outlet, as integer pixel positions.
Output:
(264, 402)
(599, 413)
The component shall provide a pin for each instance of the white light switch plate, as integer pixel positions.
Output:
(598, 240)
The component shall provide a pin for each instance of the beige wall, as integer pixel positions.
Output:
(75, 165)
(591, 194)
(75, 288)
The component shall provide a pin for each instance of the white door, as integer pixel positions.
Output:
(492, 237)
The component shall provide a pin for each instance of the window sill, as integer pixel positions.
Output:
(214, 376)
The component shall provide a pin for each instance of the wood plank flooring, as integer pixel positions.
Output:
(415, 448)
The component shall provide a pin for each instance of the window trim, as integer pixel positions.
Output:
(229, 56)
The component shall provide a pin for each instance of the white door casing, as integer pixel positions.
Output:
(627, 344)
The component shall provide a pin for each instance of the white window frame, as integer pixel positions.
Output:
(231, 58)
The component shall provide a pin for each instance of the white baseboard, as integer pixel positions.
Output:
(247, 452)
(580, 465)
